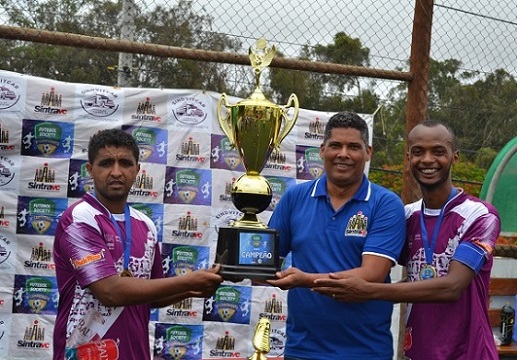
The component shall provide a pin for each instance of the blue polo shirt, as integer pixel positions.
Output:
(322, 240)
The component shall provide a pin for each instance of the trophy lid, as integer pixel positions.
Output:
(260, 57)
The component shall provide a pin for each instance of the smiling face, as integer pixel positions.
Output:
(344, 156)
(113, 172)
(431, 154)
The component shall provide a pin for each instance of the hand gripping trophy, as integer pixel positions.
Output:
(254, 126)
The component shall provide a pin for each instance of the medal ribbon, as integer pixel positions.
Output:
(127, 247)
(429, 248)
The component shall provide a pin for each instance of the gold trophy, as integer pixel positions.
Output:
(254, 126)
(261, 340)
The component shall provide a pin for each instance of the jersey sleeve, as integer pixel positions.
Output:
(478, 242)
(388, 231)
(86, 249)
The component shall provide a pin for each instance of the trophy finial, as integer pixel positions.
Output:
(261, 56)
(261, 340)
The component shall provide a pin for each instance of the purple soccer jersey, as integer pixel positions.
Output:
(455, 330)
(87, 249)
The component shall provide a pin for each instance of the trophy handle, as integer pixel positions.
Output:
(225, 121)
(289, 122)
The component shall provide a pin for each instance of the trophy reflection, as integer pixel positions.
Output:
(247, 248)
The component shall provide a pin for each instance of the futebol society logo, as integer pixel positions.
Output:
(154, 212)
(183, 259)
(35, 295)
(223, 155)
(79, 180)
(39, 215)
(151, 142)
(187, 186)
(174, 342)
(229, 304)
(47, 138)
(308, 163)
(279, 186)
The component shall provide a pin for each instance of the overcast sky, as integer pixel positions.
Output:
(482, 34)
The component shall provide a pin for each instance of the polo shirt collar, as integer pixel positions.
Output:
(362, 194)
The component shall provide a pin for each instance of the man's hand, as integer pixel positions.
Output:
(291, 278)
(205, 282)
(343, 287)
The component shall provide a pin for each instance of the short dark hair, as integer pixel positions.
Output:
(435, 123)
(347, 119)
(111, 137)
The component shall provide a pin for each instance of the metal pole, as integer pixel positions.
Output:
(127, 30)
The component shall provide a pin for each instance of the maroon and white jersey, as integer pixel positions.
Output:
(87, 248)
(455, 330)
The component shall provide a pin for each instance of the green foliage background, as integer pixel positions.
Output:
(480, 106)
(465, 175)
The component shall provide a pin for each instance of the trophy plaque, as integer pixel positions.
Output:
(247, 248)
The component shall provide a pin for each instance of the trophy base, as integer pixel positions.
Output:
(238, 273)
(247, 253)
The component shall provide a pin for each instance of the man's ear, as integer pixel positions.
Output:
(369, 152)
(89, 168)
(456, 156)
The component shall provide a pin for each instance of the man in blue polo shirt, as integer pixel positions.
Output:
(340, 222)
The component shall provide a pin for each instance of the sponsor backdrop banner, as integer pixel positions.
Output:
(187, 169)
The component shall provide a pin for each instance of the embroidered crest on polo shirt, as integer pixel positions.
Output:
(357, 225)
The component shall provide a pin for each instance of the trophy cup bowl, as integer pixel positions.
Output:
(254, 126)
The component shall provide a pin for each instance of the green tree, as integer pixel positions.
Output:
(328, 92)
(307, 86)
(176, 26)
(345, 50)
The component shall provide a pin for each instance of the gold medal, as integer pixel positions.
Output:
(126, 273)
(428, 272)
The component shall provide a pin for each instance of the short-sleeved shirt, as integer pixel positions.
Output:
(461, 329)
(87, 248)
(322, 240)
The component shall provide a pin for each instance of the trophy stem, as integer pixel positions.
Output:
(249, 220)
